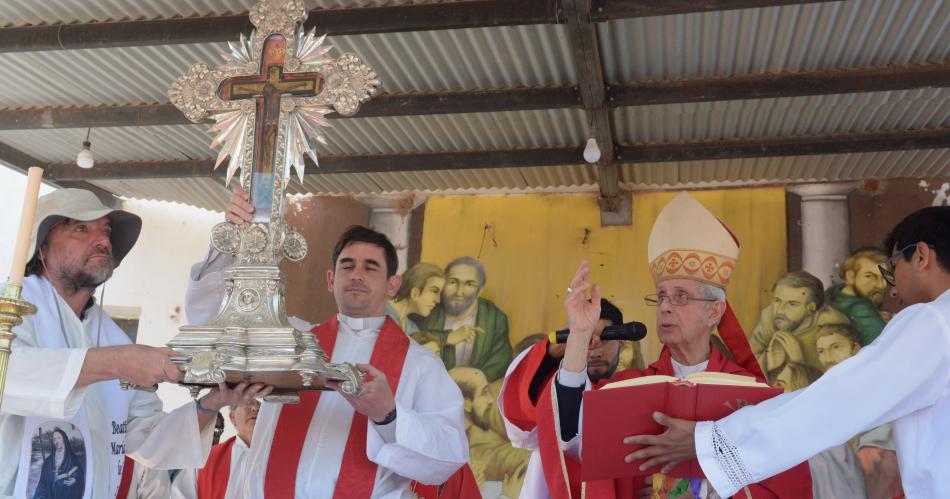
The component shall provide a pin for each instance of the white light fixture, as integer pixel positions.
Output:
(591, 152)
(85, 159)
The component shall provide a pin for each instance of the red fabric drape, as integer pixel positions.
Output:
(357, 473)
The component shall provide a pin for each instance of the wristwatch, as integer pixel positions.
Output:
(388, 419)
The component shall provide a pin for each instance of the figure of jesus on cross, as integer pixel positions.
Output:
(267, 89)
(270, 99)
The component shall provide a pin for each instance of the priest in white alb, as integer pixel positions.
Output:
(903, 376)
(407, 424)
(66, 424)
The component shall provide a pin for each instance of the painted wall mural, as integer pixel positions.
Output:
(491, 281)
(805, 331)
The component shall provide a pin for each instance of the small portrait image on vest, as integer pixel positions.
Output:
(57, 462)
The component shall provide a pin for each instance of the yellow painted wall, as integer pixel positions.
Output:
(533, 244)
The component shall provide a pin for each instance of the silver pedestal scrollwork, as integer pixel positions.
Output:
(269, 102)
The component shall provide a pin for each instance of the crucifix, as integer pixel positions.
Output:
(267, 89)
(268, 102)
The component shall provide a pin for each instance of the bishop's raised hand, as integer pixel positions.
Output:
(582, 318)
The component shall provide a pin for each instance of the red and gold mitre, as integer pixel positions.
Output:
(689, 242)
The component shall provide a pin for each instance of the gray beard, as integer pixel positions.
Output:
(81, 279)
(455, 310)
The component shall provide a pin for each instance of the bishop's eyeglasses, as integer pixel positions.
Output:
(676, 299)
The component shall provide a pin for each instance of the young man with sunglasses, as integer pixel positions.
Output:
(908, 366)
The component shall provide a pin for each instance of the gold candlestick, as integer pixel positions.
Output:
(12, 311)
(12, 308)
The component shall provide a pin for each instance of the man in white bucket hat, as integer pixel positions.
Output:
(68, 359)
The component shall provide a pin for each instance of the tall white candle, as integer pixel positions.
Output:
(34, 176)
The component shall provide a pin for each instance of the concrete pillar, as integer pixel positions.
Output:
(826, 228)
(391, 215)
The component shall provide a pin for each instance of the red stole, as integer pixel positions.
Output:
(519, 408)
(214, 477)
(461, 485)
(424, 491)
(562, 474)
(357, 473)
(126, 482)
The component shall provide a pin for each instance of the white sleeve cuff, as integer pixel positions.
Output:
(719, 460)
(571, 379)
(387, 431)
(706, 456)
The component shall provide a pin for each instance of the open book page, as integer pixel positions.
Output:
(700, 378)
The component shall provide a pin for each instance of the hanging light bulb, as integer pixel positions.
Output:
(85, 159)
(591, 152)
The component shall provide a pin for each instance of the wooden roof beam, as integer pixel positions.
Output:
(525, 99)
(772, 85)
(898, 140)
(585, 52)
(366, 20)
(604, 10)
(477, 101)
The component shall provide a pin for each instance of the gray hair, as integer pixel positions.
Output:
(711, 292)
(467, 260)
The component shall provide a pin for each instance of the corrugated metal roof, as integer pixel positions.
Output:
(34, 12)
(209, 193)
(827, 35)
(823, 168)
(353, 136)
(859, 33)
(776, 117)
(577, 177)
(466, 59)
(176, 142)
(406, 62)
(786, 116)
(457, 132)
(95, 77)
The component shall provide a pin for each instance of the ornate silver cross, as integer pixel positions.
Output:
(269, 102)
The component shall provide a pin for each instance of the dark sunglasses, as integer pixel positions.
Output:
(887, 266)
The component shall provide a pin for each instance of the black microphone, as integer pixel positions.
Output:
(631, 331)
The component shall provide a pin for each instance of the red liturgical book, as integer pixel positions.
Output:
(625, 408)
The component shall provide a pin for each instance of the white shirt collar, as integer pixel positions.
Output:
(361, 325)
(239, 443)
(683, 371)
